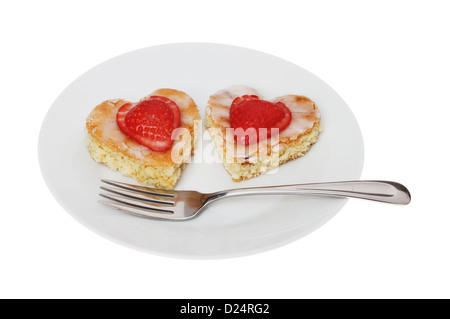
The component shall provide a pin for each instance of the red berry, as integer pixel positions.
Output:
(150, 122)
(249, 112)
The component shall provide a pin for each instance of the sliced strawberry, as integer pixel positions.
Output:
(150, 122)
(243, 98)
(249, 114)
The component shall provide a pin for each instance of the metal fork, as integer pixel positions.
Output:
(181, 205)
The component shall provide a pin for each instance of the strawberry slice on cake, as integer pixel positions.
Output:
(151, 122)
(254, 119)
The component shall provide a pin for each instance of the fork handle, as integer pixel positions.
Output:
(381, 191)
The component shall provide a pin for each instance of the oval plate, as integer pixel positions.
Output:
(228, 228)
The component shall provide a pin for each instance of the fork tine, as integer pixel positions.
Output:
(139, 203)
(134, 210)
(143, 189)
(139, 195)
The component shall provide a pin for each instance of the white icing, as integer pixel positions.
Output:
(183, 101)
(111, 130)
(187, 119)
(219, 112)
(304, 115)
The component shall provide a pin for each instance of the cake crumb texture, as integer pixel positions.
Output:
(159, 177)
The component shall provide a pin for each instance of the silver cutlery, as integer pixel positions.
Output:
(181, 205)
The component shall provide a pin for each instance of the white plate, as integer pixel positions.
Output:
(228, 228)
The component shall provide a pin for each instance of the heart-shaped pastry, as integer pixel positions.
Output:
(235, 117)
(151, 140)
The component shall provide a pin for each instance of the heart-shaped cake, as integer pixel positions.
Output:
(254, 135)
(151, 140)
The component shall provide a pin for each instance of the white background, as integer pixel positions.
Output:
(389, 60)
